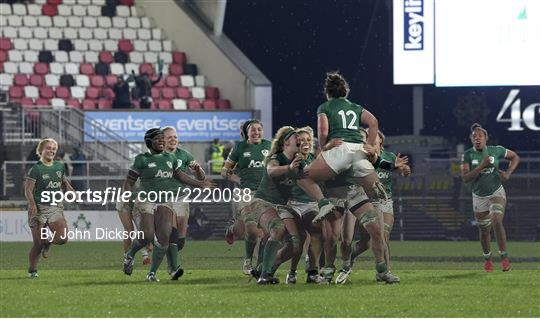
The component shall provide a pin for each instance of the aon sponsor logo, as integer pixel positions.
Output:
(383, 175)
(254, 163)
(52, 184)
(163, 174)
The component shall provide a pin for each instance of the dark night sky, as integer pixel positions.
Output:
(295, 42)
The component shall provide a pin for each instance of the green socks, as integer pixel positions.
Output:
(157, 257)
(269, 257)
(172, 256)
(381, 267)
(135, 247)
(250, 248)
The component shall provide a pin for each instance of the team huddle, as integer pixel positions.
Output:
(304, 198)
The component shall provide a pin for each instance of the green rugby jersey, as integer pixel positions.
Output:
(298, 193)
(47, 177)
(156, 171)
(343, 119)
(276, 190)
(183, 159)
(385, 174)
(488, 181)
(249, 159)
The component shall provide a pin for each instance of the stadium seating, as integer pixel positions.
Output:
(67, 52)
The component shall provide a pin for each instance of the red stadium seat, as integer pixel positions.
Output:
(3, 56)
(164, 105)
(54, 2)
(36, 80)
(146, 68)
(62, 92)
(41, 68)
(46, 92)
(93, 93)
(49, 10)
(27, 102)
(179, 57)
(89, 105)
(73, 103)
(125, 46)
(168, 93)
(21, 80)
(110, 80)
(176, 69)
(212, 92)
(127, 2)
(108, 93)
(183, 93)
(223, 104)
(43, 103)
(105, 57)
(172, 81)
(155, 93)
(5, 44)
(209, 104)
(104, 104)
(97, 80)
(86, 69)
(194, 104)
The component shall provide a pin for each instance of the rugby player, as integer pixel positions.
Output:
(480, 166)
(47, 175)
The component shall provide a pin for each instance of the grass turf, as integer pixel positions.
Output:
(438, 279)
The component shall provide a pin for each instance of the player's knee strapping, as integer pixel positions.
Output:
(295, 240)
(369, 217)
(496, 209)
(484, 223)
(357, 201)
(387, 228)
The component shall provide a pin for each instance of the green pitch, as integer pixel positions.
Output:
(438, 279)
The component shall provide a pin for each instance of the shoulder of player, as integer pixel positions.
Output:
(323, 107)
(266, 143)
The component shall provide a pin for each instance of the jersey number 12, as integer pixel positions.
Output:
(344, 116)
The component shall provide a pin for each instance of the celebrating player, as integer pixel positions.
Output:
(186, 161)
(156, 169)
(480, 165)
(44, 178)
(247, 158)
(339, 122)
(282, 167)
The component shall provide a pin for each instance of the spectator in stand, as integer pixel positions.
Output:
(144, 86)
(78, 168)
(215, 153)
(121, 91)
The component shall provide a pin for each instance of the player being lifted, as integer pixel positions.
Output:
(186, 161)
(480, 165)
(156, 169)
(340, 119)
(247, 158)
(46, 176)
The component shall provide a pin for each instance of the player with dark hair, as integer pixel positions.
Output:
(155, 169)
(46, 176)
(339, 123)
(480, 166)
(247, 159)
